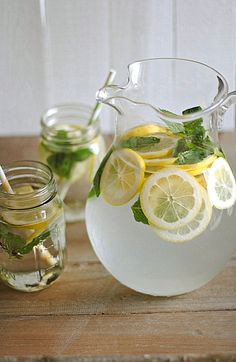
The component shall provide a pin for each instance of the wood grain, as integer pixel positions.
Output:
(89, 316)
(172, 333)
(86, 288)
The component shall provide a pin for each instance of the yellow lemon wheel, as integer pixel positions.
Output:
(145, 130)
(193, 228)
(161, 149)
(122, 177)
(170, 198)
(221, 184)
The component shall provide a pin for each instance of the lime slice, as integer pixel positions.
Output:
(193, 228)
(170, 198)
(221, 184)
(122, 176)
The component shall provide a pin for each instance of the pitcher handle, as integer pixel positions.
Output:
(230, 99)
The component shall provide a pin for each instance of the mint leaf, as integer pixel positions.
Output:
(138, 212)
(37, 240)
(81, 154)
(62, 134)
(91, 193)
(193, 155)
(10, 242)
(15, 245)
(180, 146)
(168, 112)
(61, 163)
(139, 142)
(175, 127)
(219, 152)
(194, 128)
(192, 110)
(194, 144)
(97, 177)
(191, 126)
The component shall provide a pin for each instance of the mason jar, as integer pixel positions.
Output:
(73, 150)
(32, 228)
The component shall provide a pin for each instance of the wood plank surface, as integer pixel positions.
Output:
(85, 287)
(89, 316)
(101, 335)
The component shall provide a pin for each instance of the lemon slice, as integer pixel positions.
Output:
(194, 169)
(198, 166)
(32, 230)
(20, 223)
(25, 189)
(170, 198)
(221, 184)
(201, 179)
(122, 176)
(161, 149)
(159, 162)
(144, 130)
(193, 228)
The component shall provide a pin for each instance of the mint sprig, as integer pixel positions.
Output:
(174, 127)
(15, 245)
(62, 162)
(136, 143)
(138, 213)
(97, 178)
(10, 242)
(194, 143)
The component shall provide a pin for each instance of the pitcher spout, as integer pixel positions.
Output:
(106, 93)
(109, 95)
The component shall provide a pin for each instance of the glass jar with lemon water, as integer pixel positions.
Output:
(32, 228)
(73, 150)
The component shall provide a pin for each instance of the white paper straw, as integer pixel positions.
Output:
(97, 109)
(5, 184)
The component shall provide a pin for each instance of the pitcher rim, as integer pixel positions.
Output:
(222, 95)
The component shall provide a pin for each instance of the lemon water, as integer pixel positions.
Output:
(161, 214)
(32, 227)
(41, 266)
(134, 254)
(32, 244)
(74, 186)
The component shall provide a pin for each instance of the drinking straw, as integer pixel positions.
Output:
(43, 252)
(98, 107)
(5, 184)
(64, 187)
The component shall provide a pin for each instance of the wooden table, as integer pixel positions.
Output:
(88, 316)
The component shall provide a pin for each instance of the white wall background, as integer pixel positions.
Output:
(57, 51)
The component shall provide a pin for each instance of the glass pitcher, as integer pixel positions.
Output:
(161, 213)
